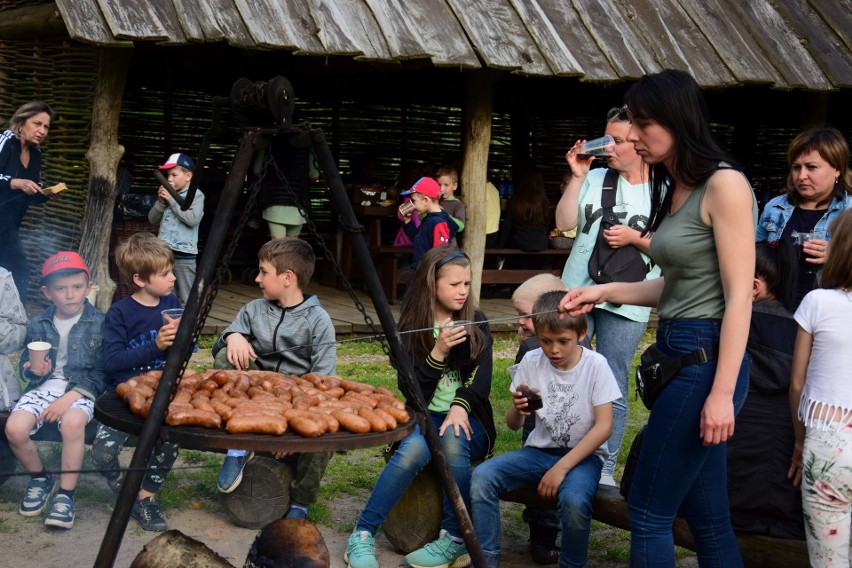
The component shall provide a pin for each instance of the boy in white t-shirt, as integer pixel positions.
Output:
(565, 452)
(62, 387)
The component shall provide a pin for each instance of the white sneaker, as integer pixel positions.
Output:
(607, 479)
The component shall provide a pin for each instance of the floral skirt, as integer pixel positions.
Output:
(827, 495)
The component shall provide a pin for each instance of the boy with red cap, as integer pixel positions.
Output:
(62, 387)
(437, 228)
(179, 228)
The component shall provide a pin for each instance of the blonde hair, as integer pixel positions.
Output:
(290, 253)
(27, 111)
(532, 288)
(142, 254)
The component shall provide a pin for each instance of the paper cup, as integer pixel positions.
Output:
(39, 356)
(172, 315)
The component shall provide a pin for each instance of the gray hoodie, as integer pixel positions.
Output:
(273, 333)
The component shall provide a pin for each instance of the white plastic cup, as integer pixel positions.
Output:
(172, 315)
(597, 148)
(39, 356)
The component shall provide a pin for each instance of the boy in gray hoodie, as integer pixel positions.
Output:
(287, 332)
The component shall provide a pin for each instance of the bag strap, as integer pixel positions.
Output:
(698, 357)
(610, 182)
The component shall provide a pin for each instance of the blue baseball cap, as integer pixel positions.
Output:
(179, 160)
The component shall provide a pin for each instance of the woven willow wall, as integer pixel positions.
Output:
(60, 74)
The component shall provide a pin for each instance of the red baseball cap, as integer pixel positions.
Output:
(61, 262)
(425, 186)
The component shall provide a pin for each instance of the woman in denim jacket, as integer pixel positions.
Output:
(819, 188)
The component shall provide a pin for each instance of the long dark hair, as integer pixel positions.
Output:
(776, 264)
(529, 202)
(674, 100)
(418, 305)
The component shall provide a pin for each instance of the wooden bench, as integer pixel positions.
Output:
(392, 275)
(416, 521)
(47, 433)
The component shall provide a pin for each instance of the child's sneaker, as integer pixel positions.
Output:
(441, 553)
(231, 473)
(39, 490)
(62, 513)
(147, 512)
(115, 483)
(360, 551)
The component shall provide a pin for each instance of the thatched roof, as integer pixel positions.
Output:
(781, 43)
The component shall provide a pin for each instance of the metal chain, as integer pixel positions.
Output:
(330, 257)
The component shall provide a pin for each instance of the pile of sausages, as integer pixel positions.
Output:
(265, 402)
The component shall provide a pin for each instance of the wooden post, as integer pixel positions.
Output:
(103, 156)
(479, 99)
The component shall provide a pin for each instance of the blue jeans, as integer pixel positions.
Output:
(525, 468)
(617, 340)
(676, 472)
(410, 458)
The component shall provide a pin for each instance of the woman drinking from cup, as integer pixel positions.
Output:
(20, 176)
(818, 189)
(703, 214)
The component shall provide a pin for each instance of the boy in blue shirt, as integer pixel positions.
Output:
(62, 388)
(137, 341)
(564, 454)
(179, 228)
(436, 228)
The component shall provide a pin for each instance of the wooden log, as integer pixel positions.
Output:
(103, 156)
(477, 140)
(173, 548)
(263, 495)
(415, 520)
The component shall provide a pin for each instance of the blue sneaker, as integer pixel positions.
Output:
(360, 551)
(39, 491)
(62, 513)
(231, 473)
(296, 511)
(441, 553)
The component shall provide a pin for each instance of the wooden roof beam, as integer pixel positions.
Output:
(32, 22)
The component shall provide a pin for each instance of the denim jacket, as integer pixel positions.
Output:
(779, 210)
(85, 367)
(179, 229)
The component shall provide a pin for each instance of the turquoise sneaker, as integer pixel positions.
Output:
(360, 551)
(441, 553)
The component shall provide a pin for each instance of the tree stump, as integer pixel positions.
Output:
(263, 495)
(173, 548)
(416, 518)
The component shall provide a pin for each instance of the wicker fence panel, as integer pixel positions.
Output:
(61, 74)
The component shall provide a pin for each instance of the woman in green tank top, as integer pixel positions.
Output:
(703, 216)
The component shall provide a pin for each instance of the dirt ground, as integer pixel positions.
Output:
(34, 545)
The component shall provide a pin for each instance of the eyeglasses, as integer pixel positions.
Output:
(617, 114)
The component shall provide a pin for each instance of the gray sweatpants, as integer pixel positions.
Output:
(184, 278)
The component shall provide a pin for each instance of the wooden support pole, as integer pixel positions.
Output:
(479, 99)
(103, 156)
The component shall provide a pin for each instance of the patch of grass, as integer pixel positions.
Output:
(192, 482)
(206, 341)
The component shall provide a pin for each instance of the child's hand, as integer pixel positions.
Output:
(548, 487)
(163, 195)
(458, 421)
(43, 370)
(166, 336)
(56, 409)
(240, 352)
(520, 403)
(448, 337)
(795, 472)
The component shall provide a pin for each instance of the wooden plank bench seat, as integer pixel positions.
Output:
(416, 520)
(392, 275)
(47, 433)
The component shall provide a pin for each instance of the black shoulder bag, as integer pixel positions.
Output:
(607, 264)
